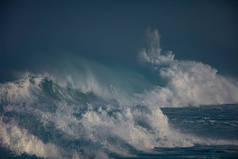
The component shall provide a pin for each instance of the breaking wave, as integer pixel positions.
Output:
(47, 116)
(189, 83)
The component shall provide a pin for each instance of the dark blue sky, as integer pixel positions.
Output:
(35, 33)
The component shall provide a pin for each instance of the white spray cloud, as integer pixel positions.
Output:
(153, 54)
(189, 82)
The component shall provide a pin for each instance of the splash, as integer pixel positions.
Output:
(189, 83)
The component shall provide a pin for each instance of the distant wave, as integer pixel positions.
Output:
(88, 117)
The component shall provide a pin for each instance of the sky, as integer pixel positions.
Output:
(38, 33)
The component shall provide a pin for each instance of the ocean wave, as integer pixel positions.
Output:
(189, 83)
(92, 116)
(48, 114)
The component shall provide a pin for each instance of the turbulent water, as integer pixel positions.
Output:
(187, 111)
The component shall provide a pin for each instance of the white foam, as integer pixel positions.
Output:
(112, 133)
(20, 141)
(189, 83)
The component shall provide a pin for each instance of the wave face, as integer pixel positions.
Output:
(103, 113)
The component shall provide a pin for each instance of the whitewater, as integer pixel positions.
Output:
(94, 111)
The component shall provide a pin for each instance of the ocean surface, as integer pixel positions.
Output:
(164, 108)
